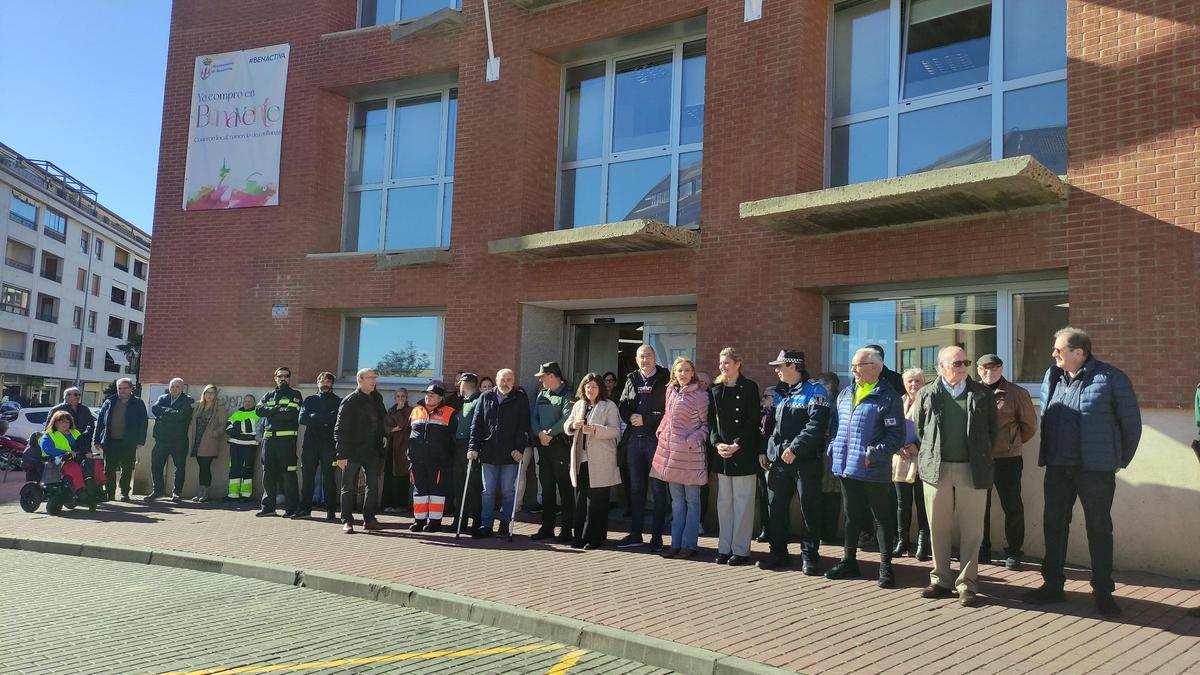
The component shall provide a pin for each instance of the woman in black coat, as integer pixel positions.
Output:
(735, 443)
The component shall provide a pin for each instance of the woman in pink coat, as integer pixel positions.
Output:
(680, 459)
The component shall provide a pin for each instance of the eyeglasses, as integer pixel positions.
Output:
(957, 364)
(1062, 350)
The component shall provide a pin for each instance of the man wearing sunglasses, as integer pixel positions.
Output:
(85, 421)
(956, 428)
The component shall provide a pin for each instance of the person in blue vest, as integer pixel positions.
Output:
(62, 439)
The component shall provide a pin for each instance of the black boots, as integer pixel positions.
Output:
(924, 546)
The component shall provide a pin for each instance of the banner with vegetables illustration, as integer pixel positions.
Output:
(235, 129)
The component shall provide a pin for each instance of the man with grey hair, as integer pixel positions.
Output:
(642, 404)
(360, 437)
(120, 429)
(1091, 427)
(172, 415)
(955, 419)
(500, 432)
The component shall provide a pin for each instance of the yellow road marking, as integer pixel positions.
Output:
(564, 664)
(312, 665)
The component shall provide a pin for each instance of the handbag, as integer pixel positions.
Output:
(904, 470)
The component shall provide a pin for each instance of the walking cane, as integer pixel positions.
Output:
(462, 505)
(513, 516)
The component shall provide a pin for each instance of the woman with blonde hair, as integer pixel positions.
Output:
(735, 442)
(679, 459)
(206, 436)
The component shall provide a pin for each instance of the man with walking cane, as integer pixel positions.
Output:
(466, 484)
(499, 436)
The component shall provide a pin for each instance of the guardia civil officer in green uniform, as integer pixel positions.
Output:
(280, 412)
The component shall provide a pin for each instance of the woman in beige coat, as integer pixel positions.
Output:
(206, 436)
(595, 426)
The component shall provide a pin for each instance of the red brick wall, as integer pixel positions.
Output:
(1128, 239)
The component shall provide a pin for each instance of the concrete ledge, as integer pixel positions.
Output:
(623, 238)
(445, 17)
(986, 188)
(422, 256)
(594, 637)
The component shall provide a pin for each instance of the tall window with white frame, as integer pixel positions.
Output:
(401, 175)
(632, 137)
(917, 85)
(381, 12)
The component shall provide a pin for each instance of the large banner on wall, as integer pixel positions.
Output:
(235, 129)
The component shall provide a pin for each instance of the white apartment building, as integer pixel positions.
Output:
(72, 286)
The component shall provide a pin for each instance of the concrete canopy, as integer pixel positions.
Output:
(959, 192)
(629, 236)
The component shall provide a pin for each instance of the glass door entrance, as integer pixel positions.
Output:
(607, 342)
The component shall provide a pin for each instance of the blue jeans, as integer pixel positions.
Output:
(685, 515)
(498, 479)
(640, 451)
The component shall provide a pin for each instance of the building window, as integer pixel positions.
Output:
(43, 351)
(121, 259)
(135, 328)
(52, 267)
(381, 12)
(116, 327)
(632, 138)
(87, 357)
(139, 268)
(74, 355)
(56, 225)
(136, 300)
(47, 308)
(85, 241)
(96, 283)
(19, 256)
(1015, 320)
(99, 248)
(934, 89)
(91, 322)
(110, 364)
(14, 300)
(81, 280)
(401, 182)
(119, 293)
(23, 211)
(399, 348)
(77, 318)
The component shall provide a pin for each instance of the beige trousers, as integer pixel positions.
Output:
(955, 499)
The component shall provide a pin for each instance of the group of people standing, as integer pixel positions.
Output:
(662, 434)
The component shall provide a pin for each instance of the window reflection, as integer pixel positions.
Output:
(945, 136)
(948, 45)
(1035, 123)
(396, 347)
(642, 102)
(640, 189)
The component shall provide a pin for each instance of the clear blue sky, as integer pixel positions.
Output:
(81, 85)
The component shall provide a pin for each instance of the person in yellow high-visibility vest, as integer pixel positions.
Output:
(242, 446)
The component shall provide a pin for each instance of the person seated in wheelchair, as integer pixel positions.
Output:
(61, 440)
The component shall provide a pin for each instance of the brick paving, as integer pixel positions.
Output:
(781, 618)
(215, 621)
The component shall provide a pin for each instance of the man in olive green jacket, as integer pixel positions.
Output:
(956, 427)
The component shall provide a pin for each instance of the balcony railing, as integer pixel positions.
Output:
(23, 266)
(20, 219)
(42, 358)
(56, 278)
(10, 354)
(15, 309)
(55, 234)
(47, 317)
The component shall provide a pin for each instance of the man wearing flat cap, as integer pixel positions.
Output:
(550, 412)
(794, 462)
(1016, 423)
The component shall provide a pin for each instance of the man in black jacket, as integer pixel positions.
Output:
(318, 415)
(500, 433)
(280, 411)
(360, 437)
(120, 429)
(172, 413)
(642, 403)
(82, 415)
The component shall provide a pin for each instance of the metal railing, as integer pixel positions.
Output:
(23, 266)
(11, 354)
(52, 277)
(47, 317)
(55, 234)
(22, 220)
(15, 309)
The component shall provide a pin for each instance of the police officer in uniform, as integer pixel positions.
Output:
(794, 462)
(280, 411)
(318, 415)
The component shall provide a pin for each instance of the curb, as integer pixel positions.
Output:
(573, 632)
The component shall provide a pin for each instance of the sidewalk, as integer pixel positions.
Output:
(783, 619)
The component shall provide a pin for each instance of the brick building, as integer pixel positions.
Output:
(702, 173)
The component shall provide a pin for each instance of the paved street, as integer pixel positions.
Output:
(131, 618)
(781, 618)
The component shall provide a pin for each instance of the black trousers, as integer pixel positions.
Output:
(591, 510)
(908, 494)
(764, 498)
(159, 454)
(1094, 489)
(868, 507)
(802, 476)
(350, 489)
(1008, 488)
(241, 461)
(396, 492)
(314, 460)
(554, 473)
(279, 473)
(119, 457)
(205, 464)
